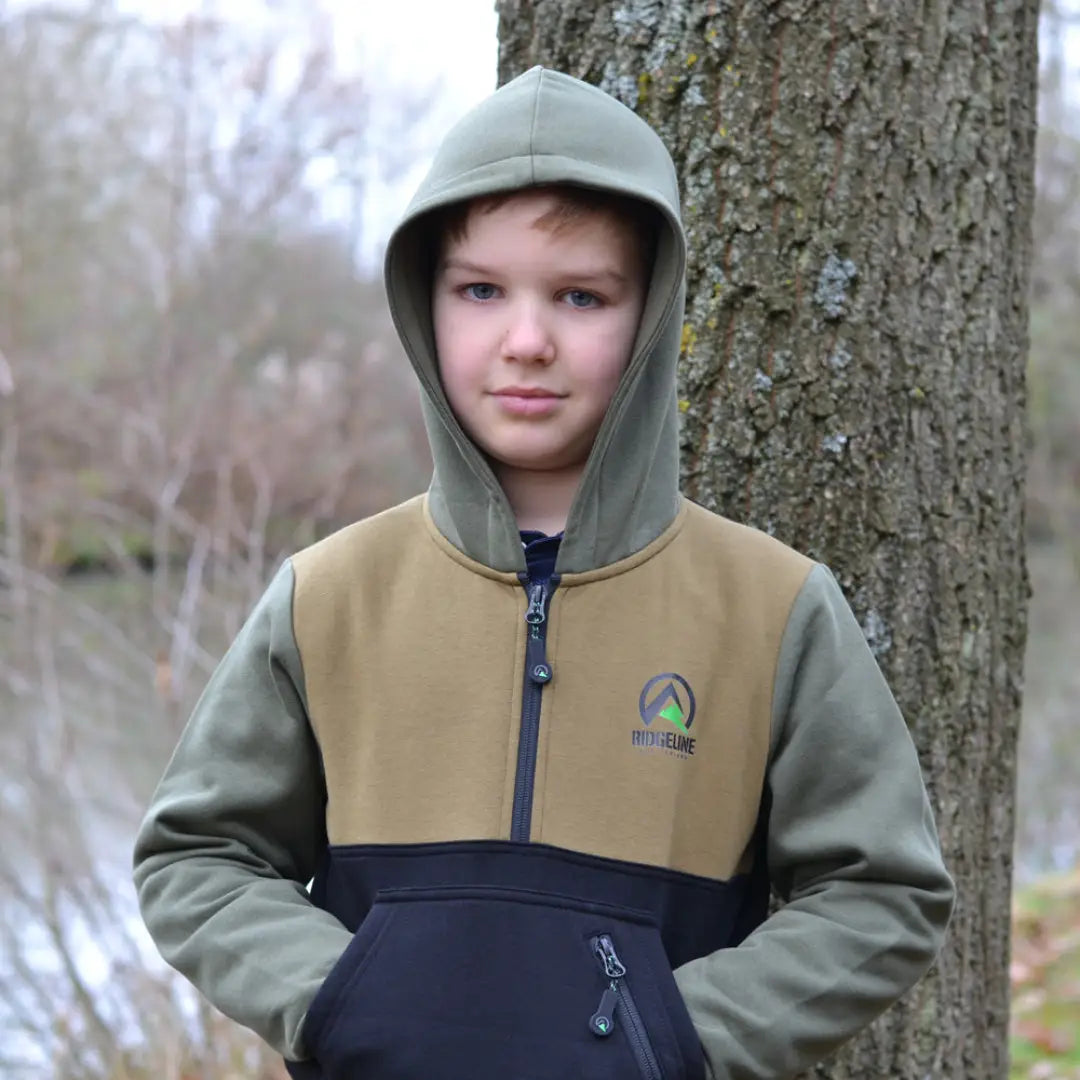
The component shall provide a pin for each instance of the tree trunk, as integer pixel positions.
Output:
(857, 183)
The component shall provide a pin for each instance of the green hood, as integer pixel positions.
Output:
(547, 128)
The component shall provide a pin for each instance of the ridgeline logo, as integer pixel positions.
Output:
(666, 699)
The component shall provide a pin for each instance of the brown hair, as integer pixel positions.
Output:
(572, 205)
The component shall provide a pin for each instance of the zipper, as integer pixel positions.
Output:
(602, 1022)
(537, 675)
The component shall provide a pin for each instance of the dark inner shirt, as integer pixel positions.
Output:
(540, 553)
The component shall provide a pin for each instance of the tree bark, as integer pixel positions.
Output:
(857, 180)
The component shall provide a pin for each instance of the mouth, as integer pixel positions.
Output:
(526, 392)
(527, 401)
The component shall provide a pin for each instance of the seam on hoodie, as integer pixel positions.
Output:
(777, 724)
(532, 129)
(302, 690)
(686, 879)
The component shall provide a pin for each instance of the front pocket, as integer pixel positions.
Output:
(334, 994)
(471, 983)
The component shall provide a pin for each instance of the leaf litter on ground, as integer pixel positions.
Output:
(1045, 976)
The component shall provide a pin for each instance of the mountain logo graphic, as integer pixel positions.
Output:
(668, 697)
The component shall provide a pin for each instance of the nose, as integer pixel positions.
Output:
(528, 337)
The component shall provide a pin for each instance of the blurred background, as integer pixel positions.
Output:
(198, 376)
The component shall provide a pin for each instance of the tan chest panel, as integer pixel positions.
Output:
(654, 730)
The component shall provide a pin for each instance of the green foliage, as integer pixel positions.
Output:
(1046, 980)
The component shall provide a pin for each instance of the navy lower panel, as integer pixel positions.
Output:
(474, 960)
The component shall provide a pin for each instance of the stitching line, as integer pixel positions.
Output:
(532, 129)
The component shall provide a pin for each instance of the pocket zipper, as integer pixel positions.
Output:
(602, 1022)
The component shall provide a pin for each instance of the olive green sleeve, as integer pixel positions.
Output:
(234, 832)
(852, 849)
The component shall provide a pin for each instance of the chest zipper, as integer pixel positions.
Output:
(602, 1022)
(538, 674)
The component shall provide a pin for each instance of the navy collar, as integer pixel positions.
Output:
(541, 551)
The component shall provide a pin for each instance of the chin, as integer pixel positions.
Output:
(536, 460)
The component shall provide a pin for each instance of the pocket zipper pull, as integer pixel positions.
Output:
(602, 1022)
(604, 948)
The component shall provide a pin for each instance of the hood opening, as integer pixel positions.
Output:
(546, 129)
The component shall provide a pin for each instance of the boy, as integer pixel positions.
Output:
(545, 736)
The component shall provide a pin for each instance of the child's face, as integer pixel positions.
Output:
(534, 329)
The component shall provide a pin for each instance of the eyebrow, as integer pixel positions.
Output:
(584, 274)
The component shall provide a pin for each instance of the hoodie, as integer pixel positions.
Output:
(432, 819)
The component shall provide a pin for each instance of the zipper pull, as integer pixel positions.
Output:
(536, 649)
(605, 950)
(602, 1022)
(535, 615)
(536, 659)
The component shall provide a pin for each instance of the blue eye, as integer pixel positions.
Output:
(480, 290)
(579, 298)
